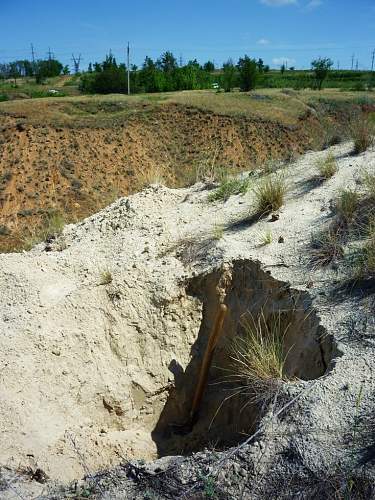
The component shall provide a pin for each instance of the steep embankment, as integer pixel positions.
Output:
(73, 158)
(103, 332)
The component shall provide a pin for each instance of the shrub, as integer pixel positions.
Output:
(362, 134)
(270, 194)
(327, 166)
(258, 357)
(228, 188)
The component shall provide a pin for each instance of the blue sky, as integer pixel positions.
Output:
(276, 30)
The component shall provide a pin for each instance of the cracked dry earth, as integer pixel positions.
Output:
(103, 330)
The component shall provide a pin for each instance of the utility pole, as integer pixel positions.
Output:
(49, 54)
(373, 58)
(128, 54)
(33, 58)
(338, 65)
(356, 65)
(76, 63)
(352, 62)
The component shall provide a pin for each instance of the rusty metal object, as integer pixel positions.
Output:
(207, 360)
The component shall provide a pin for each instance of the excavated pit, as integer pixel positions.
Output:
(222, 421)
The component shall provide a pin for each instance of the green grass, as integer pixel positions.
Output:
(266, 238)
(228, 188)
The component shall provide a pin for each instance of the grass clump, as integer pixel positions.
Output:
(229, 187)
(258, 357)
(106, 277)
(217, 232)
(363, 260)
(369, 182)
(327, 166)
(270, 194)
(347, 204)
(266, 238)
(362, 134)
(326, 247)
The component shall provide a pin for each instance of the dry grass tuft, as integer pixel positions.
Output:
(327, 166)
(363, 260)
(347, 204)
(105, 277)
(369, 182)
(266, 238)
(258, 358)
(362, 134)
(326, 247)
(270, 194)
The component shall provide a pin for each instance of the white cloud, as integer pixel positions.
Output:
(279, 61)
(313, 4)
(278, 3)
(263, 41)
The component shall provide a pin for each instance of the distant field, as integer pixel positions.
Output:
(283, 106)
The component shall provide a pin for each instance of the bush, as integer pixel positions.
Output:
(270, 194)
(327, 166)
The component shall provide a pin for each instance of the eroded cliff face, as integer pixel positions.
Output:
(81, 166)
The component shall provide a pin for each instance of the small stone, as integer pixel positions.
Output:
(280, 240)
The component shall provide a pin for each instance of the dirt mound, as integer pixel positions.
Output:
(103, 332)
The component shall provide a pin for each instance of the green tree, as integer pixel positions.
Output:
(209, 66)
(248, 71)
(321, 67)
(229, 75)
(260, 64)
(108, 78)
(47, 69)
(167, 62)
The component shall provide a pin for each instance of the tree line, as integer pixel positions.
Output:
(40, 69)
(164, 74)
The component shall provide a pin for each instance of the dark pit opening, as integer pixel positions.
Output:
(221, 421)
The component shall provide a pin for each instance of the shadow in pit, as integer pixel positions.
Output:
(225, 415)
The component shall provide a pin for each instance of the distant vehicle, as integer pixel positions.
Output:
(53, 91)
(215, 86)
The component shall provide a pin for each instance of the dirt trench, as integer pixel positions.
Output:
(225, 413)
